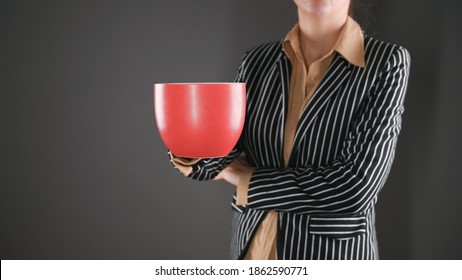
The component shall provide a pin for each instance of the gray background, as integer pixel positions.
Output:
(84, 173)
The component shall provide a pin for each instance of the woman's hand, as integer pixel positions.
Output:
(233, 174)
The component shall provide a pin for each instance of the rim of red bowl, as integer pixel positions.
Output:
(200, 83)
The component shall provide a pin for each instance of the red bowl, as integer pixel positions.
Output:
(200, 120)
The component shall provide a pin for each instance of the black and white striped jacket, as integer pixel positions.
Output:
(342, 153)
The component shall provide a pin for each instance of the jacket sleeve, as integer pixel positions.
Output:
(208, 168)
(351, 183)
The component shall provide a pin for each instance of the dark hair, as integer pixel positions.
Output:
(363, 12)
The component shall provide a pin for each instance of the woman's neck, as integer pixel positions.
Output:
(319, 33)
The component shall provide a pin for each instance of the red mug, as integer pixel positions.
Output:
(200, 120)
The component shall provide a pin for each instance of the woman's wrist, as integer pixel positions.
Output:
(184, 165)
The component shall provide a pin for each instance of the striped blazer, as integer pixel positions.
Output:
(342, 152)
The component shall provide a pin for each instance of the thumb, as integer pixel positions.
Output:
(218, 177)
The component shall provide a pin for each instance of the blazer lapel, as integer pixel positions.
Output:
(335, 76)
(285, 70)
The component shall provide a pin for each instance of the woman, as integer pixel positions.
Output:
(324, 111)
